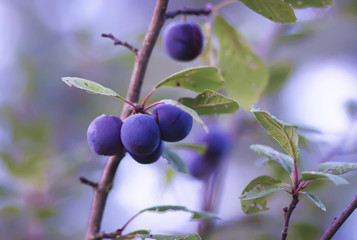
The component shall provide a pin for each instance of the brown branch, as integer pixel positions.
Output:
(119, 42)
(88, 182)
(142, 59)
(100, 195)
(337, 223)
(106, 181)
(287, 215)
(189, 11)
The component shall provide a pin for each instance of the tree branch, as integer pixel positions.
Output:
(119, 42)
(188, 11)
(143, 56)
(337, 223)
(287, 215)
(106, 181)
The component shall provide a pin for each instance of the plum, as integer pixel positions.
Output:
(103, 135)
(140, 134)
(174, 123)
(152, 157)
(183, 41)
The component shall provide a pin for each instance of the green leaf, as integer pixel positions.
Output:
(210, 102)
(90, 86)
(195, 214)
(315, 200)
(284, 133)
(185, 236)
(244, 73)
(275, 10)
(194, 79)
(253, 198)
(201, 149)
(284, 160)
(175, 160)
(337, 168)
(188, 110)
(133, 233)
(312, 175)
(310, 3)
(279, 73)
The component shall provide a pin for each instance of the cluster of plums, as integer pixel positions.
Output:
(183, 41)
(218, 143)
(141, 135)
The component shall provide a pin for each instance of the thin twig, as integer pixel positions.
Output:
(188, 11)
(287, 215)
(119, 42)
(337, 223)
(88, 182)
(106, 181)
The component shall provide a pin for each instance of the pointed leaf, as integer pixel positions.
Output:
(315, 200)
(90, 86)
(195, 79)
(337, 168)
(253, 198)
(133, 234)
(197, 147)
(210, 102)
(175, 160)
(310, 3)
(284, 160)
(186, 109)
(244, 73)
(312, 175)
(185, 236)
(275, 10)
(195, 214)
(284, 133)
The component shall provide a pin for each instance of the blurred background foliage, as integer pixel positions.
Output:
(43, 149)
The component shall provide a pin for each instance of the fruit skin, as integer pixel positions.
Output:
(152, 157)
(174, 123)
(140, 134)
(183, 41)
(218, 143)
(103, 135)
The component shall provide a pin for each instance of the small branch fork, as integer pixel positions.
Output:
(88, 182)
(119, 42)
(337, 223)
(287, 215)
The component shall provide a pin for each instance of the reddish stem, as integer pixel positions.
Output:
(148, 96)
(152, 105)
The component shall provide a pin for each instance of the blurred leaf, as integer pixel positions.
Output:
(256, 192)
(244, 73)
(10, 211)
(194, 79)
(169, 176)
(278, 74)
(210, 102)
(284, 133)
(304, 231)
(315, 200)
(196, 214)
(275, 10)
(197, 147)
(337, 168)
(45, 212)
(209, 52)
(175, 160)
(90, 86)
(310, 3)
(312, 175)
(186, 109)
(284, 160)
(185, 236)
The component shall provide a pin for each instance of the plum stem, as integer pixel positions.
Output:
(222, 4)
(140, 66)
(148, 96)
(152, 105)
